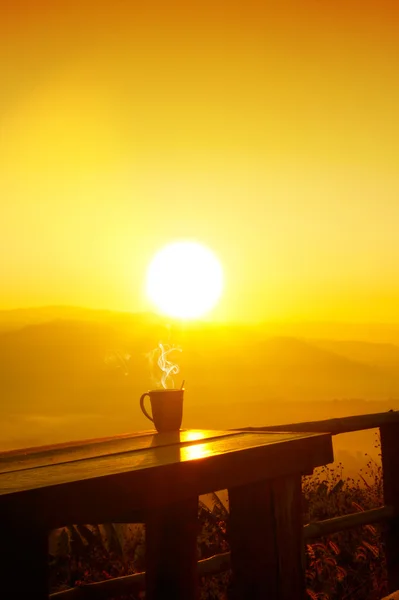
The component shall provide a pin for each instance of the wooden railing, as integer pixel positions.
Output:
(387, 423)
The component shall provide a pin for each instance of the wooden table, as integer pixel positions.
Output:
(157, 478)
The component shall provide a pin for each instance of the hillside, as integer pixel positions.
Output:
(42, 363)
(383, 355)
(60, 372)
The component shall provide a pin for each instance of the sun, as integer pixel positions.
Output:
(184, 280)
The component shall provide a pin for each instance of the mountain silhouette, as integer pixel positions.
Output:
(74, 373)
(43, 363)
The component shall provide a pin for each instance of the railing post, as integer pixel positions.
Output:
(390, 473)
(266, 538)
(23, 562)
(171, 551)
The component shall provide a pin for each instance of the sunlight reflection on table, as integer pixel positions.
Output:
(195, 452)
(193, 436)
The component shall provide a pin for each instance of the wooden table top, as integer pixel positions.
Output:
(140, 470)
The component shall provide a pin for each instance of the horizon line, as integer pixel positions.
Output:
(253, 323)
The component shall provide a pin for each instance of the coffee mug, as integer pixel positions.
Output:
(166, 407)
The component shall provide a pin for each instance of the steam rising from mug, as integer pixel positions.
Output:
(161, 357)
(167, 367)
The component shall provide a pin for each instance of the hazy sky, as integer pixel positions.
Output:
(266, 130)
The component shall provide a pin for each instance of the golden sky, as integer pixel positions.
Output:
(266, 130)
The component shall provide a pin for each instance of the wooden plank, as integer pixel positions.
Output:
(23, 561)
(54, 455)
(70, 444)
(171, 552)
(318, 529)
(335, 426)
(390, 469)
(32, 458)
(138, 459)
(98, 497)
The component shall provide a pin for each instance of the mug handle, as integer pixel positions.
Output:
(143, 407)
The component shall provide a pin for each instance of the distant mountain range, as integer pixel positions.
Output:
(338, 331)
(49, 354)
(21, 317)
(83, 370)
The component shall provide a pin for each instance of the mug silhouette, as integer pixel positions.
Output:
(166, 408)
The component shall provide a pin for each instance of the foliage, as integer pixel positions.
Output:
(87, 553)
(346, 565)
(213, 517)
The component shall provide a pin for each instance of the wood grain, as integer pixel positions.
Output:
(144, 453)
(107, 488)
(67, 453)
(266, 536)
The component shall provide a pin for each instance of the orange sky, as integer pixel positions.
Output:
(266, 130)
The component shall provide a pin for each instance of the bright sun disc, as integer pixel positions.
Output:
(184, 280)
